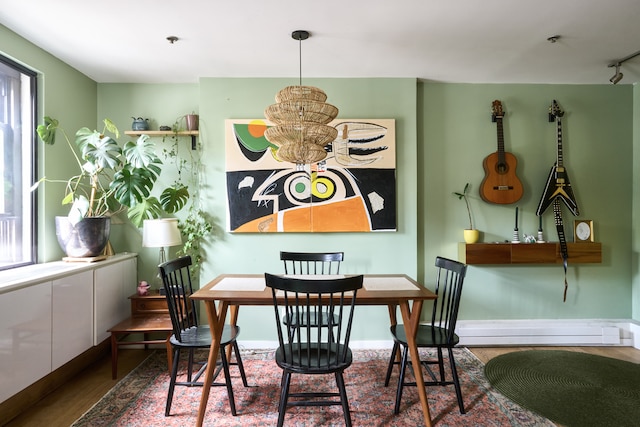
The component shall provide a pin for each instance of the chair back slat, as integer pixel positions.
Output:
(312, 262)
(176, 280)
(450, 278)
(311, 347)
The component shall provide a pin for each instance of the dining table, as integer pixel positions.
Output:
(224, 295)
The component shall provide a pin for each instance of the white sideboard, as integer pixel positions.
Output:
(53, 312)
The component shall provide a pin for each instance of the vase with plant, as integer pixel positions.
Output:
(471, 235)
(110, 179)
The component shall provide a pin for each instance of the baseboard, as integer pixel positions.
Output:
(542, 332)
(555, 332)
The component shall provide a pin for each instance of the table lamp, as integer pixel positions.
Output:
(161, 233)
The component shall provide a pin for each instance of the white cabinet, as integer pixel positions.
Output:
(72, 317)
(51, 313)
(113, 284)
(25, 337)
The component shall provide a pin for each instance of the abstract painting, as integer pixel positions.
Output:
(352, 190)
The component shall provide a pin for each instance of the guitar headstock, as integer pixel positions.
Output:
(555, 111)
(496, 110)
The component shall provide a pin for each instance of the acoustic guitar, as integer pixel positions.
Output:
(558, 185)
(500, 184)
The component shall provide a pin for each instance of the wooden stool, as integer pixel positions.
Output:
(149, 314)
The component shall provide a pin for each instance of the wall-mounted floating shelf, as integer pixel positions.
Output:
(528, 253)
(191, 133)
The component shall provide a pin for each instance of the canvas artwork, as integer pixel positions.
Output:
(352, 190)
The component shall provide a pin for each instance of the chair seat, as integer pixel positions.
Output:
(314, 359)
(200, 336)
(313, 319)
(427, 336)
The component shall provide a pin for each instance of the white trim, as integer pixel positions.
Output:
(555, 332)
(549, 332)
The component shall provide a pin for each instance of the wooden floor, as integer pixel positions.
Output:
(62, 407)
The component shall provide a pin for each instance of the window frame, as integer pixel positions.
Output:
(31, 213)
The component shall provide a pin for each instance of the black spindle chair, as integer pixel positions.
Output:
(311, 263)
(440, 334)
(311, 350)
(189, 335)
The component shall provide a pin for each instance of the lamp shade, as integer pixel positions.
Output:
(160, 233)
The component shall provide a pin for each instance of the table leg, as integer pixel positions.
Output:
(216, 323)
(393, 321)
(411, 319)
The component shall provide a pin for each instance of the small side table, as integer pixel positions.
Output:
(149, 314)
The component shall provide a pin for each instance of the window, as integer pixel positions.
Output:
(18, 164)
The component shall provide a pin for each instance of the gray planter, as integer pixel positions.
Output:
(87, 238)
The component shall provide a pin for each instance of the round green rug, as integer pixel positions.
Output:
(570, 388)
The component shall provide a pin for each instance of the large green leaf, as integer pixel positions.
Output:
(47, 131)
(132, 186)
(141, 153)
(147, 209)
(174, 199)
(101, 150)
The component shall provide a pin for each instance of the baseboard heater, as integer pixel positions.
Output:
(537, 332)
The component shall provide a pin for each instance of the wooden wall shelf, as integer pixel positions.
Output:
(529, 253)
(191, 133)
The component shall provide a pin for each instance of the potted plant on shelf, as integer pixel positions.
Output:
(110, 179)
(471, 235)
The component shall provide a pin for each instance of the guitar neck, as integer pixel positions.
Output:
(559, 137)
(500, 139)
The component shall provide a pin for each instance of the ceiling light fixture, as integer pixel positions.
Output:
(301, 116)
(618, 75)
(172, 39)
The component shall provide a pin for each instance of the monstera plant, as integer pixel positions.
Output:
(112, 178)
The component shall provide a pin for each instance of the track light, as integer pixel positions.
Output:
(617, 76)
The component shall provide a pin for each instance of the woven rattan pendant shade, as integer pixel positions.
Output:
(301, 116)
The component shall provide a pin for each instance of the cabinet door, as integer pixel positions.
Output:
(112, 284)
(72, 310)
(25, 337)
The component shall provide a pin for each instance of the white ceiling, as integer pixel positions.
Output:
(472, 41)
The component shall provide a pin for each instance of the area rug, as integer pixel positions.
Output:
(139, 398)
(570, 388)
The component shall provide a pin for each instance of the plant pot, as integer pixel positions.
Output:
(471, 236)
(192, 121)
(87, 238)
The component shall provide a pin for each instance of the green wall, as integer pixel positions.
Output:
(458, 133)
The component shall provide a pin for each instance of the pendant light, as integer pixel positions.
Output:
(301, 116)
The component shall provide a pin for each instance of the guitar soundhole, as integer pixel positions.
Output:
(502, 168)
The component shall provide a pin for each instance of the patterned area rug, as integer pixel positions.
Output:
(139, 398)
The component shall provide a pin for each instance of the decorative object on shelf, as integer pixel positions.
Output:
(143, 288)
(301, 116)
(516, 237)
(500, 185)
(139, 123)
(529, 238)
(192, 121)
(583, 230)
(112, 179)
(471, 235)
(540, 235)
(164, 128)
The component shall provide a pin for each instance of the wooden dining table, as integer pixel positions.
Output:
(227, 292)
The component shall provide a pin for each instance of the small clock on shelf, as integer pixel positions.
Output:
(583, 230)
